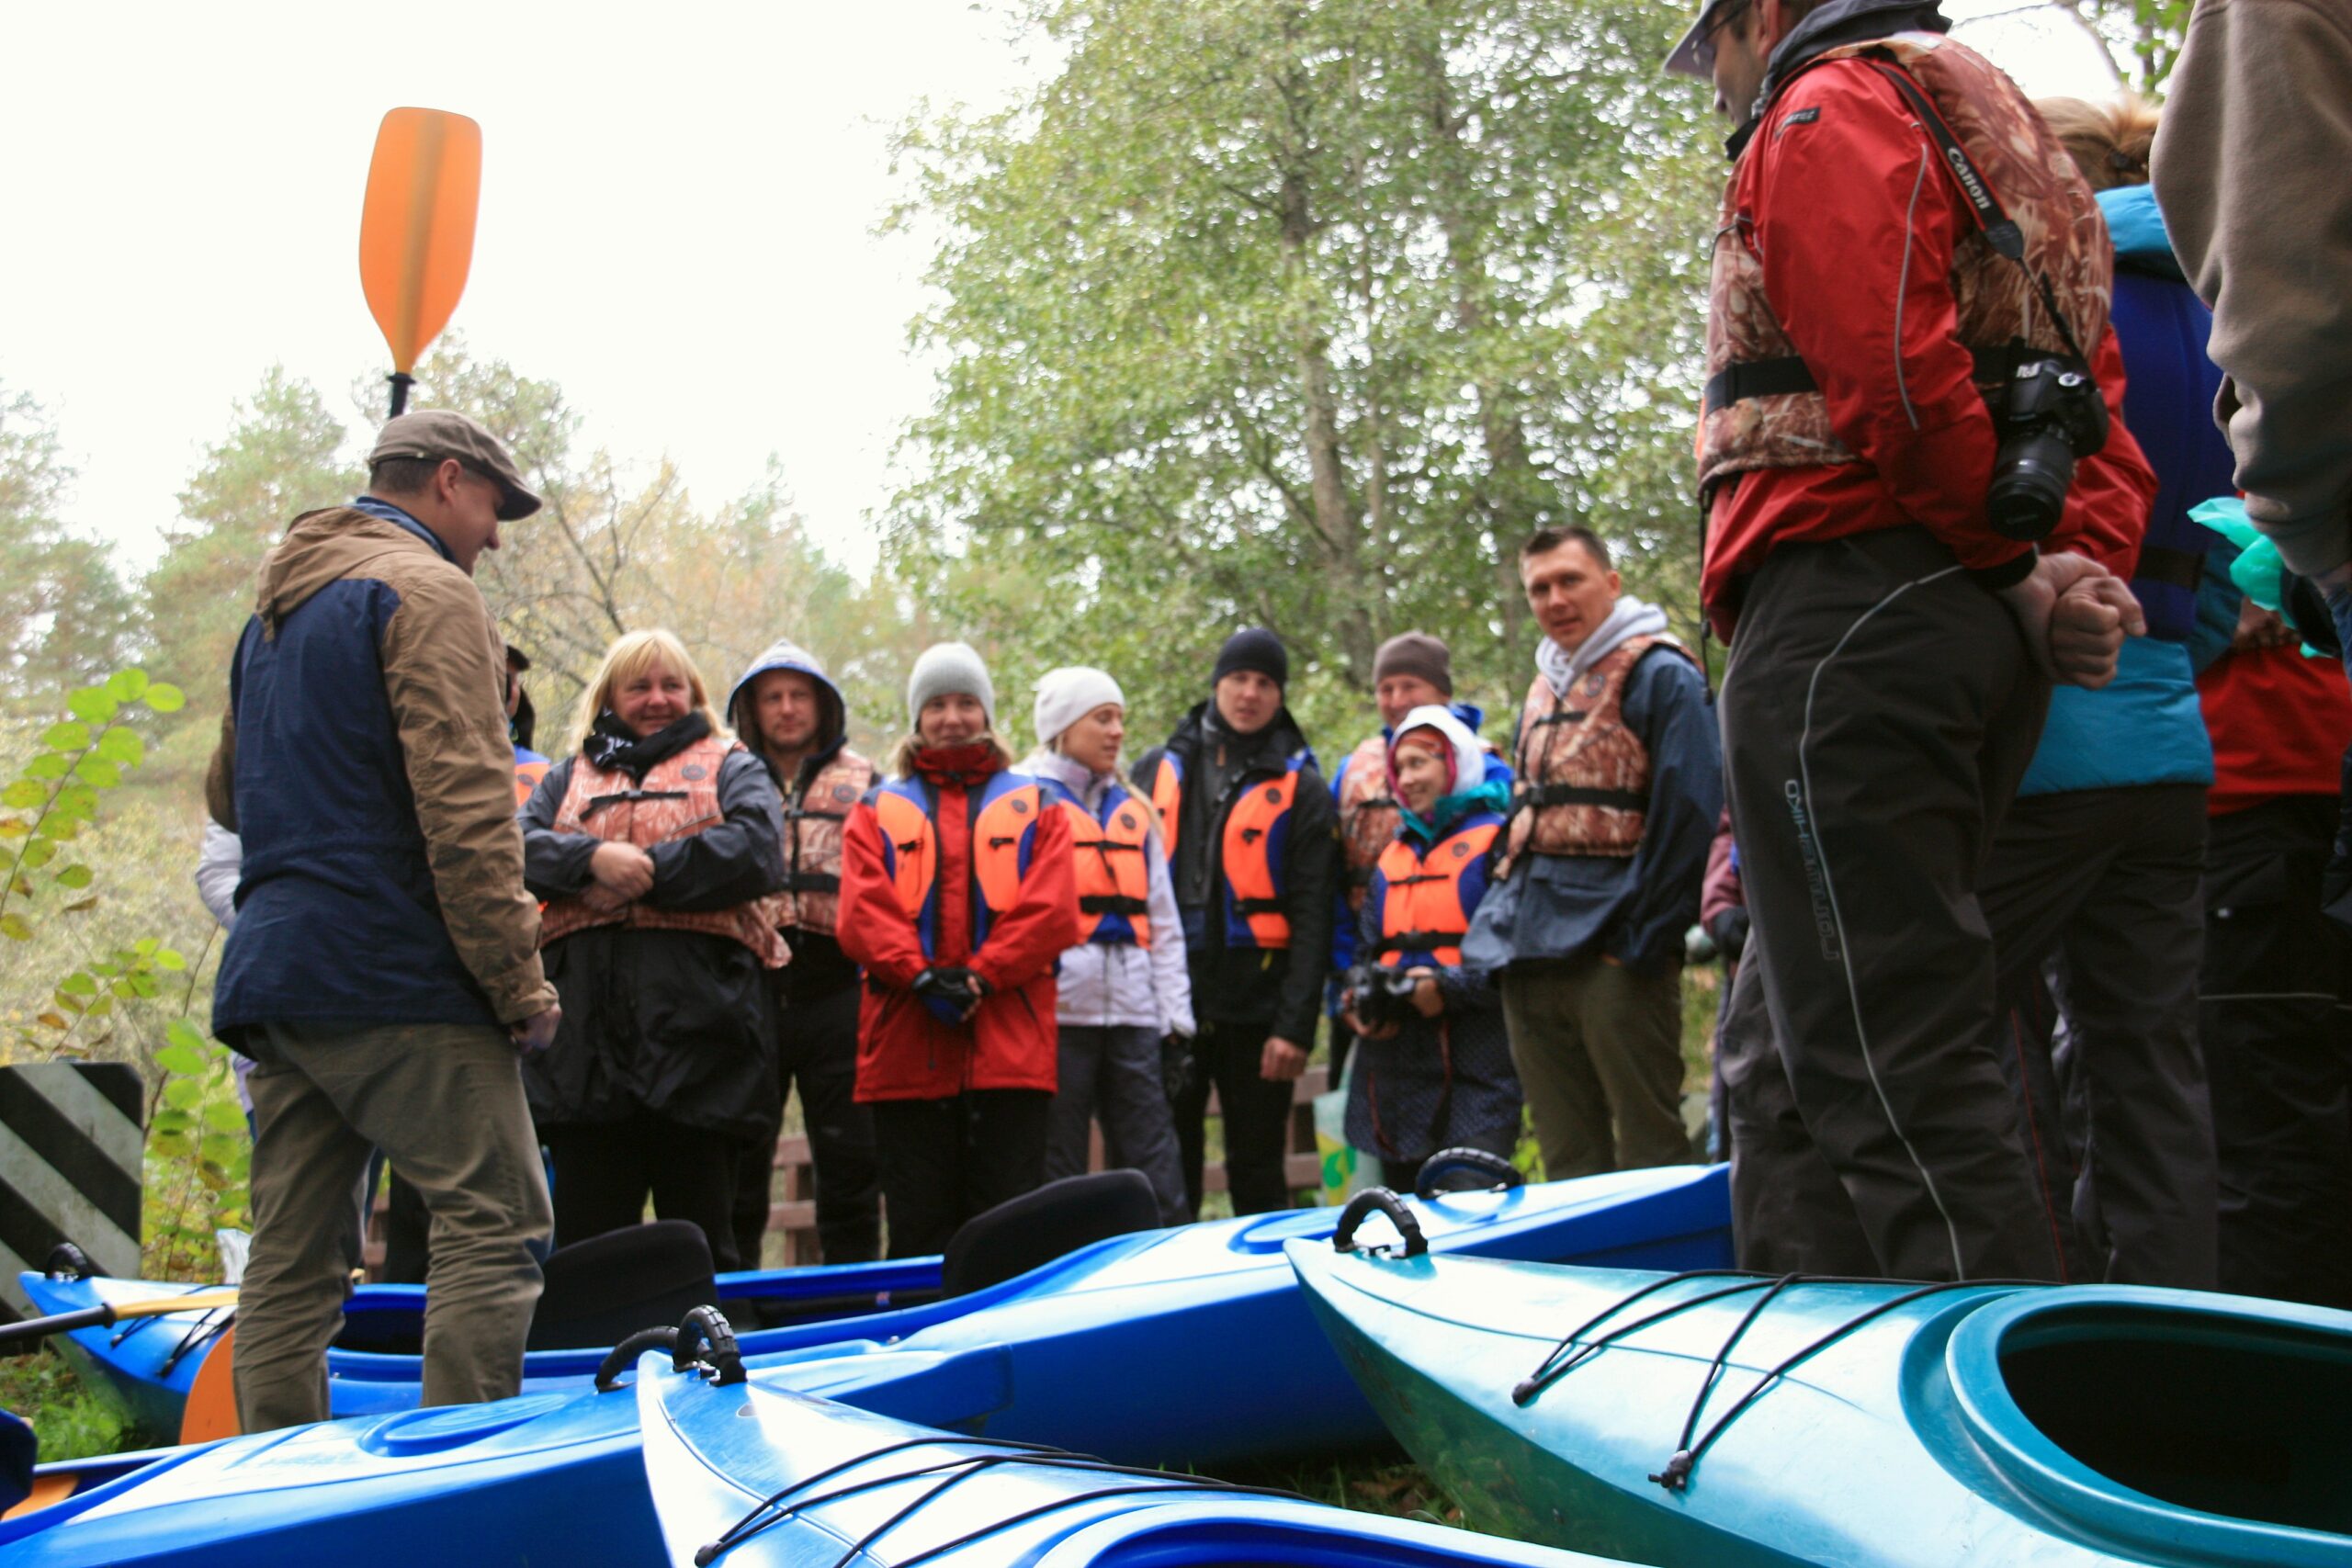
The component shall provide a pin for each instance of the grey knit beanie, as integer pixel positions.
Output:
(1415, 653)
(944, 668)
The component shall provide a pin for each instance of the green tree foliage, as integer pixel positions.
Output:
(1304, 314)
(2142, 38)
(281, 458)
(66, 617)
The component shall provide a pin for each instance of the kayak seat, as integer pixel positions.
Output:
(601, 1290)
(1052, 1222)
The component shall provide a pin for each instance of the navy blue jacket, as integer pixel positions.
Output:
(365, 765)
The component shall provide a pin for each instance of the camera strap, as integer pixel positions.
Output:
(2001, 231)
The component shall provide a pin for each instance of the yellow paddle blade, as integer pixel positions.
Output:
(164, 1306)
(416, 228)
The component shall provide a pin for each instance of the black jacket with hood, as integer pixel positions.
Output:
(819, 967)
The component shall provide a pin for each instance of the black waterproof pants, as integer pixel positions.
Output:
(945, 1160)
(817, 1050)
(605, 1172)
(1256, 1111)
(1880, 709)
(2101, 888)
(2278, 1053)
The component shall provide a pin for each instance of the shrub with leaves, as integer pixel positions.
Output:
(196, 1149)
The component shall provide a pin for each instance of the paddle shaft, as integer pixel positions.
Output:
(105, 1315)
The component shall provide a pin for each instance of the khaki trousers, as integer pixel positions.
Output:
(445, 1103)
(1598, 1050)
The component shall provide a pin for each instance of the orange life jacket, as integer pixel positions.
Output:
(677, 799)
(1250, 850)
(1762, 410)
(812, 849)
(1113, 868)
(1004, 833)
(528, 772)
(1368, 814)
(1426, 899)
(1584, 776)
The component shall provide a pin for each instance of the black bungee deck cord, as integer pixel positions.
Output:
(1676, 1474)
(956, 1469)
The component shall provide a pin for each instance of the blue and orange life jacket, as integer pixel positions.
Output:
(1250, 849)
(1428, 897)
(1004, 833)
(1114, 872)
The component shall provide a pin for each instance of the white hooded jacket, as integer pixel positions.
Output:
(1108, 986)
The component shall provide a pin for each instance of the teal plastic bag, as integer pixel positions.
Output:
(2257, 572)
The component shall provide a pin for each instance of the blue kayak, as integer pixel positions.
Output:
(554, 1475)
(150, 1363)
(539, 1479)
(1735, 1421)
(1144, 1310)
(756, 1475)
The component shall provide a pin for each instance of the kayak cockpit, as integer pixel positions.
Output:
(2165, 1420)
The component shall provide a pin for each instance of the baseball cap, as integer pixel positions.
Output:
(1685, 59)
(444, 432)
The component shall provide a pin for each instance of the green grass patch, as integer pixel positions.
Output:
(71, 1420)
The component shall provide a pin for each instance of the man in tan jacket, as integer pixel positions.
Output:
(2250, 170)
(384, 968)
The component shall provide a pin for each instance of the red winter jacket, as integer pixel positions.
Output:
(1828, 200)
(904, 1051)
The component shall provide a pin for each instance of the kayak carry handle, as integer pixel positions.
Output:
(707, 1329)
(623, 1355)
(1447, 1161)
(67, 1261)
(1343, 1239)
(702, 1328)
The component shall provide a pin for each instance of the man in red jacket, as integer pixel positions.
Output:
(1901, 238)
(957, 899)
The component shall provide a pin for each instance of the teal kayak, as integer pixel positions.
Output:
(752, 1475)
(1721, 1420)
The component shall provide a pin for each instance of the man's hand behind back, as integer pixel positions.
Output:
(536, 1032)
(2074, 614)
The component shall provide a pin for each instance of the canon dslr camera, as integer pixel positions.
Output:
(2049, 413)
(1380, 995)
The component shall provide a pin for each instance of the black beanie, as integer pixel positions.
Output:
(1256, 649)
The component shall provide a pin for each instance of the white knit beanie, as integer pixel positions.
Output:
(944, 668)
(1069, 694)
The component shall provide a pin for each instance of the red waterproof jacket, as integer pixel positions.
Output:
(1839, 216)
(904, 1051)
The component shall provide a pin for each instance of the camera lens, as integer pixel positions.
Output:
(2030, 480)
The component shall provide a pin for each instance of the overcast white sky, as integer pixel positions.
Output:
(677, 221)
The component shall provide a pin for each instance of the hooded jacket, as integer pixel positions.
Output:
(1444, 1081)
(904, 1050)
(1633, 908)
(1369, 821)
(1119, 984)
(817, 802)
(1280, 989)
(1840, 203)
(365, 763)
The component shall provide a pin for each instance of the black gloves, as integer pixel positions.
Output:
(1175, 1066)
(1729, 928)
(951, 992)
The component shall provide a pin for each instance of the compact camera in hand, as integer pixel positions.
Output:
(2048, 413)
(1379, 996)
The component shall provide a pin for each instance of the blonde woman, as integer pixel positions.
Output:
(656, 846)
